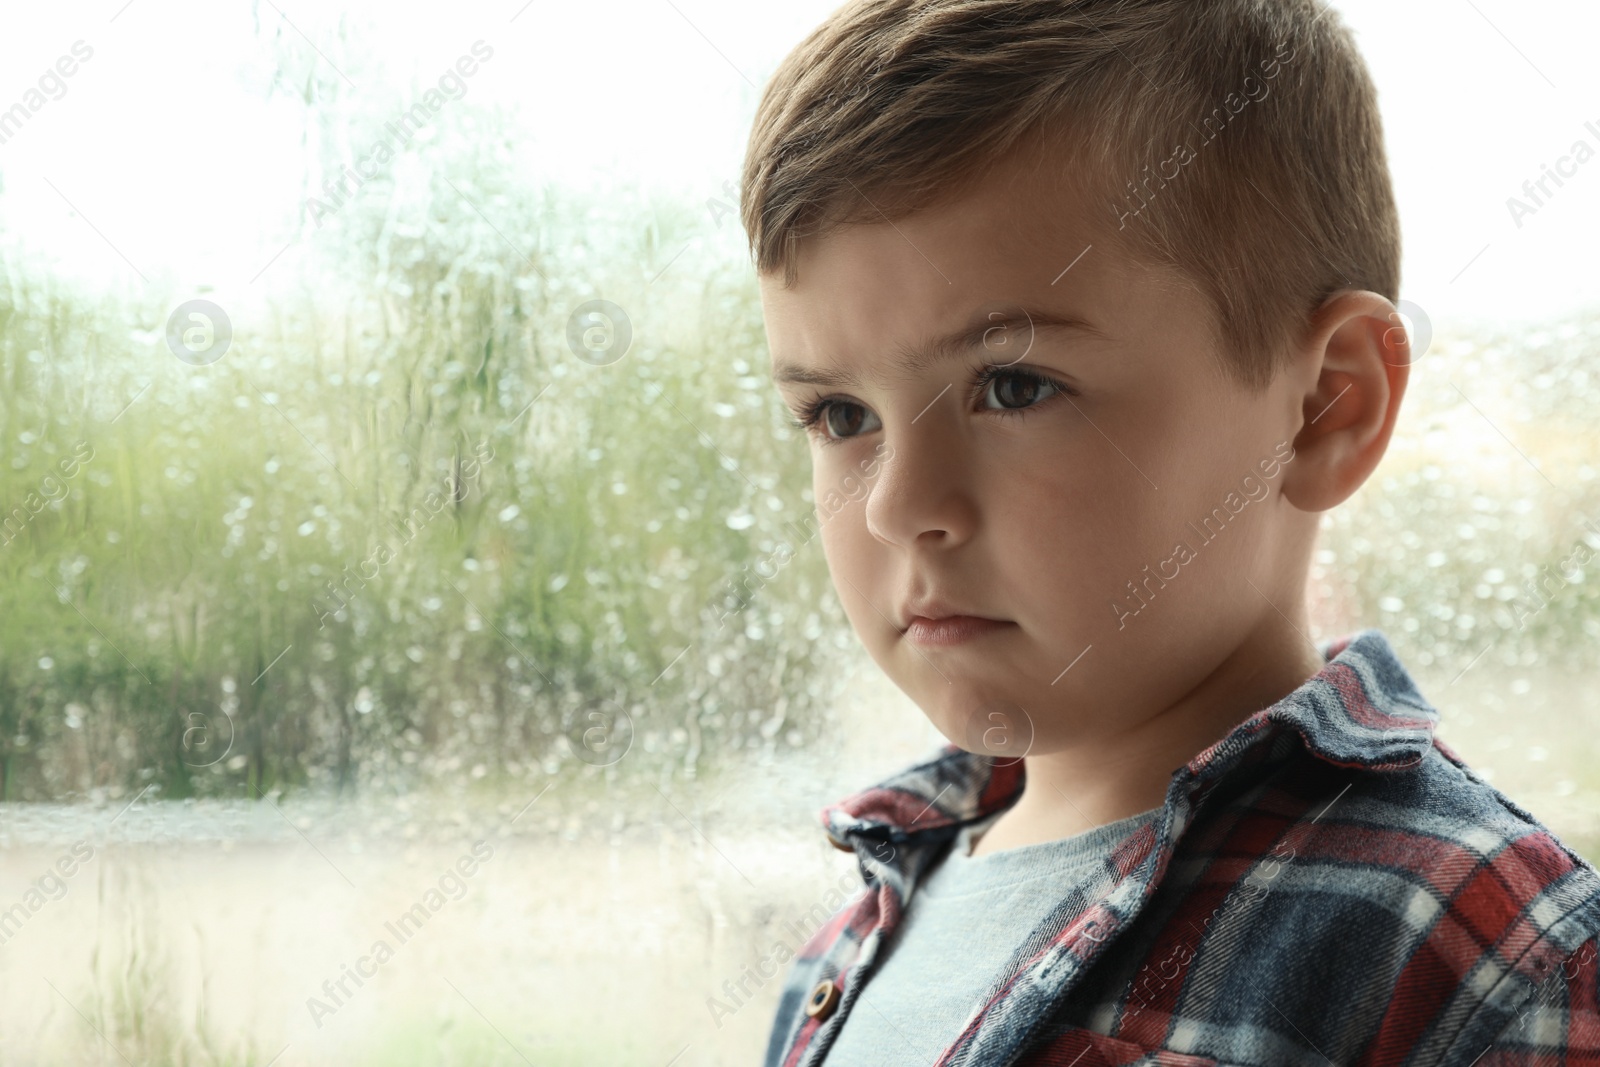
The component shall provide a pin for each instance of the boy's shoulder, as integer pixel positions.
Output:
(1328, 849)
(1367, 864)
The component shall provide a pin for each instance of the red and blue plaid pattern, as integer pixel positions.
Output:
(1327, 884)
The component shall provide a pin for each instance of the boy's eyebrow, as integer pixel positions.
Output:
(917, 358)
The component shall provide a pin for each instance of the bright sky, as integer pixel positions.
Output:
(183, 172)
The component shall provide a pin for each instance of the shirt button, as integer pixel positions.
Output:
(824, 998)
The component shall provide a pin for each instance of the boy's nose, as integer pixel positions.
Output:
(921, 493)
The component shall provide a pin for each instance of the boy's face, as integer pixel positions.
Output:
(1023, 502)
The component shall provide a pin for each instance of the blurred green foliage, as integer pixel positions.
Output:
(171, 614)
(1479, 535)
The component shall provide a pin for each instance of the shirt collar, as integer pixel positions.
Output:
(1361, 710)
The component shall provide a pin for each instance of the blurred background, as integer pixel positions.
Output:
(392, 500)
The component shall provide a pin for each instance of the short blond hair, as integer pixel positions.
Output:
(1238, 141)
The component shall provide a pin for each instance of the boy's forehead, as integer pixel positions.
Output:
(1018, 252)
(1005, 330)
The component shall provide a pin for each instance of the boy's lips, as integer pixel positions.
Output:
(931, 611)
(943, 623)
(952, 629)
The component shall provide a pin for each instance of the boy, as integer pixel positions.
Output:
(1100, 293)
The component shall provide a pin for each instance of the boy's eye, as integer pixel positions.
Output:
(1005, 391)
(840, 419)
(1014, 390)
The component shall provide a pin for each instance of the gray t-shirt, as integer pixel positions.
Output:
(964, 921)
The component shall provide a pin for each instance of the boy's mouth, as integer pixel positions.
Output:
(952, 629)
(933, 621)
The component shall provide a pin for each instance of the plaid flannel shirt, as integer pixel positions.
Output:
(1327, 884)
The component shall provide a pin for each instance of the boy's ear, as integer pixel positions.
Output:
(1357, 359)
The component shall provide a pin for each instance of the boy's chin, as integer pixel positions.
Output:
(999, 728)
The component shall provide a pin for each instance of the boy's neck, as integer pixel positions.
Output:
(1112, 777)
